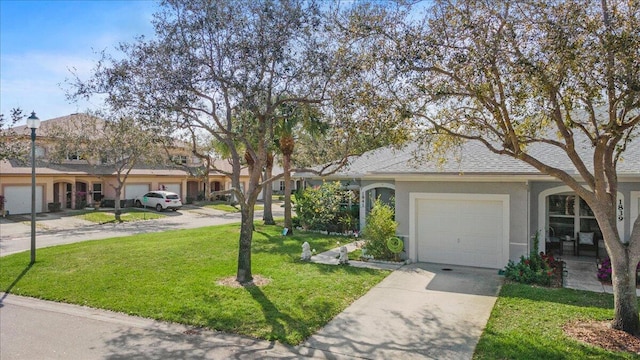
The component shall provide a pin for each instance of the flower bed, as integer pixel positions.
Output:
(604, 271)
(539, 269)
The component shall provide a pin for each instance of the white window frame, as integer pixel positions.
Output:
(179, 159)
(543, 211)
(635, 210)
(94, 192)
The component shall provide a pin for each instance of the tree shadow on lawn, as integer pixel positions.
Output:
(7, 291)
(275, 324)
(283, 325)
(562, 296)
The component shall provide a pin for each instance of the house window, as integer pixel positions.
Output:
(179, 159)
(74, 156)
(281, 185)
(568, 215)
(97, 192)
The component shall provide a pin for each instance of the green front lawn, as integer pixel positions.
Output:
(173, 276)
(224, 206)
(128, 214)
(527, 321)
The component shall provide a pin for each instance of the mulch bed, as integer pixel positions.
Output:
(258, 280)
(600, 334)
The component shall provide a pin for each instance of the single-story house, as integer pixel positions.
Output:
(483, 209)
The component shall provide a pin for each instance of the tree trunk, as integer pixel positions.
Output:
(267, 216)
(286, 164)
(623, 278)
(246, 236)
(116, 205)
(625, 299)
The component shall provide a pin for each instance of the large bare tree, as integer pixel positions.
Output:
(524, 75)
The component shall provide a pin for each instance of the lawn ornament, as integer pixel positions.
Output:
(306, 252)
(344, 258)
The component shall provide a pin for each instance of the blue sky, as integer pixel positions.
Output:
(40, 40)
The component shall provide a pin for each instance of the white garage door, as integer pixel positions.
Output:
(469, 230)
(174, 188)
(18, 199)
(133, 190)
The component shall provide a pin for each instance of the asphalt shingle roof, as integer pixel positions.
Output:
(474, 158)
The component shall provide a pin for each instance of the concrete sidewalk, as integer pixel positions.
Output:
(331, 258)
(36, 329)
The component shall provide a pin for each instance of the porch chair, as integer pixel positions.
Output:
(586, 241)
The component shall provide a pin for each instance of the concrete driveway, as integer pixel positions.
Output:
(420, 311)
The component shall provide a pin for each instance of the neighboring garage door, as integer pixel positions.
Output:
(133, 190)
(469, 229)
(174, 188)
(18, 199)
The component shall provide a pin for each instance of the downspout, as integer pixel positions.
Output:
(528, 185)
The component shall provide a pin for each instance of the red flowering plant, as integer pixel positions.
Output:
(537, 268)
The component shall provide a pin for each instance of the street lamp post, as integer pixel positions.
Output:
(33, 123)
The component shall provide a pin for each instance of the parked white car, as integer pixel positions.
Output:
(160, 200)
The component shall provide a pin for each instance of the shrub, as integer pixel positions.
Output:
(531, 270)
(380, 227)
(54, 206)
(535, 269)
(320, 208)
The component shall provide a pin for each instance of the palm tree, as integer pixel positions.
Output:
(294, 117)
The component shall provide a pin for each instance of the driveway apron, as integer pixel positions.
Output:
(420, 311)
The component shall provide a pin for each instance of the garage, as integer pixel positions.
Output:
(174, 188)
(18, 199)
(461, 229)
(133, 190)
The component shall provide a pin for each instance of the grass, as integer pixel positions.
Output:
(225, 206)
(527, 321)
(128, 214)
(355, 255)
(172, 276)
